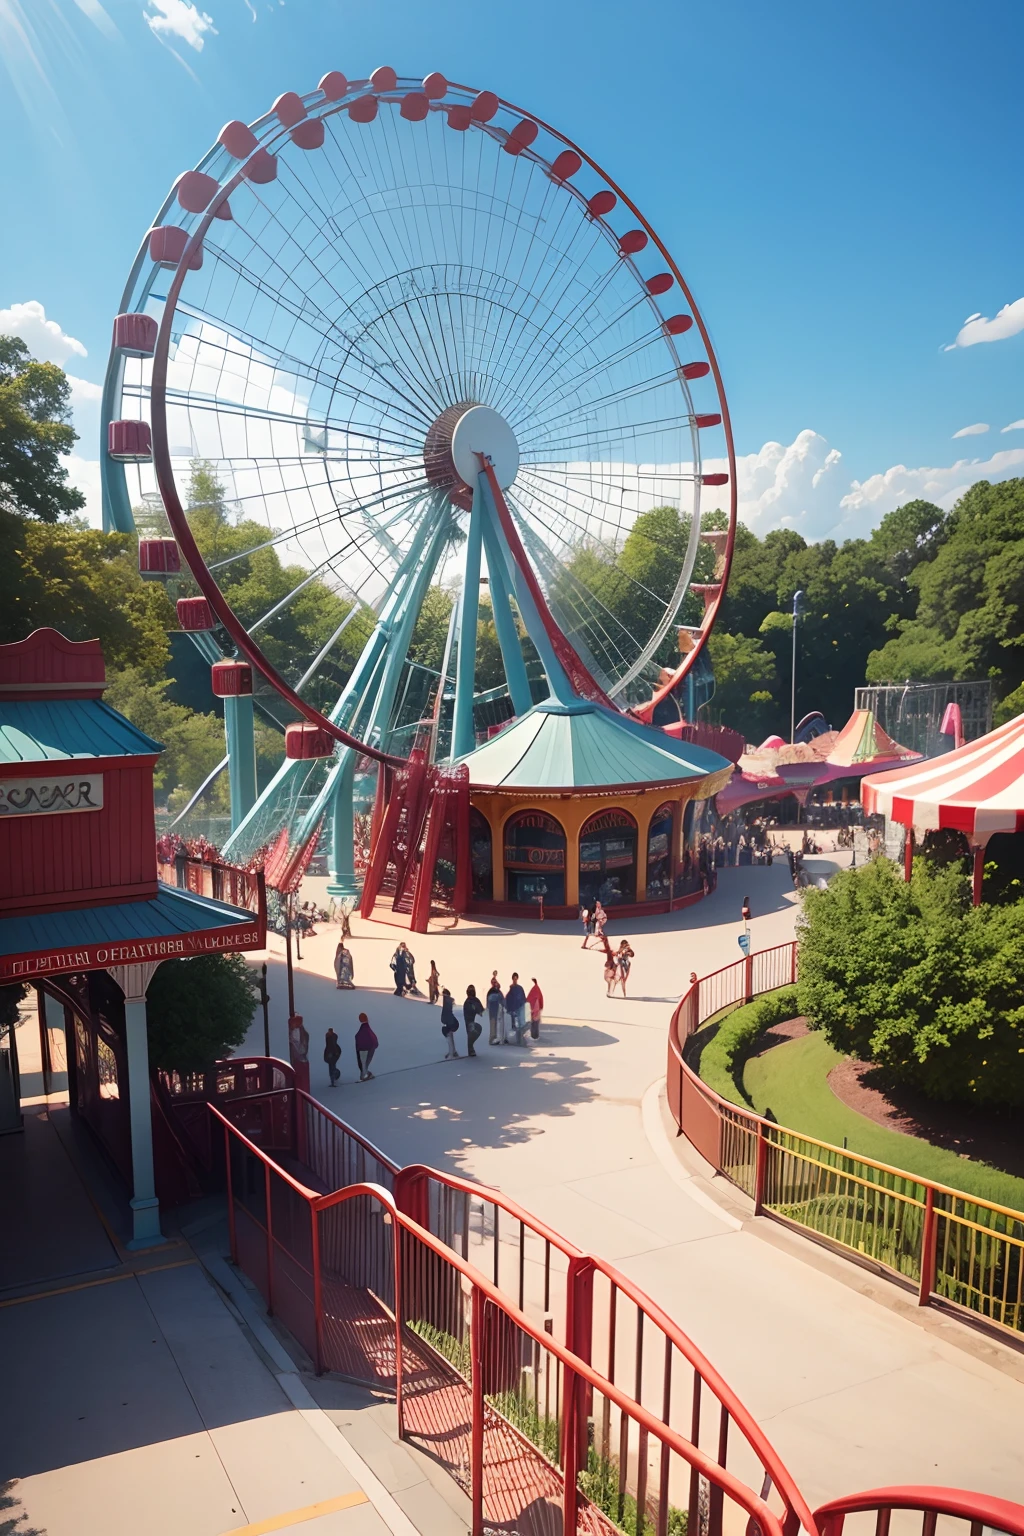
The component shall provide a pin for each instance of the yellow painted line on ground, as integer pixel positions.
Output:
(297, 1516)
(88, 1285)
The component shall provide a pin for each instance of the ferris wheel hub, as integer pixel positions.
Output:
(453, 446)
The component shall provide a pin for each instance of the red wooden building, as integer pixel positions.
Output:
(83, 914)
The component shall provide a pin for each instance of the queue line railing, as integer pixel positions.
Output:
(954, 1248)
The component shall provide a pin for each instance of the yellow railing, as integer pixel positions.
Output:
(954, 1247)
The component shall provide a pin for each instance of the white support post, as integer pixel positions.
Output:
(134, 982)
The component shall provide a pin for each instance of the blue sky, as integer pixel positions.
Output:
(841, 184)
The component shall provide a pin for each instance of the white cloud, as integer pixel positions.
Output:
(978, 428)
(879, 494)
(85, 474)
(44, 338)
(181, 19)
(1015, 426)
(975, 328)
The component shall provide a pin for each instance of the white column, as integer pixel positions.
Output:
(134, 982)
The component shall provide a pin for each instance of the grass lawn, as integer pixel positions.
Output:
(790, 1079)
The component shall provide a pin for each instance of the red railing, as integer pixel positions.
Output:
(548, 1385)
(980, 1511)
(952, 1247)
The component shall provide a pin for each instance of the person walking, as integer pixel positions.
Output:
(623, 961)
(344, 966)
(611, 968)
(600, 919)
(366, 1047)
(410, 971)
(535, 998)
(515, 1007)
(449, 1024)
(472, 1008)
(433, 984)
(399, 965)
(585, 920)
(495, 1008)
(332, 1055)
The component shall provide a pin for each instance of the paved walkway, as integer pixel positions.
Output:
(144, 1392)
(853, 1394)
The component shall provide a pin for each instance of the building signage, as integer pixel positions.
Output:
(58, 792)
(92, 957)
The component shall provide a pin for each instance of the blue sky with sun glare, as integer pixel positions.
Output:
(841, 183)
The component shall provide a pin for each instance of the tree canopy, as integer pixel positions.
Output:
(35, 430)
(199, 1010)
(915, 978)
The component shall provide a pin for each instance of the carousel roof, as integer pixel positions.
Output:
(977, 789)
(588, 746)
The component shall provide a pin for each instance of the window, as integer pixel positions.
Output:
(608, 859)
(659, 854)
(480, 854)
(534, 856)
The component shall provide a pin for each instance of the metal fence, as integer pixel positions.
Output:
(953, 1247)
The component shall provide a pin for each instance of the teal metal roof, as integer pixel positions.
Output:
(45, 731)
(585, 746)
(171, 912)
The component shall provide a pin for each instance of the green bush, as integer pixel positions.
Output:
(915, 978)
(722, 1059)
(198, 1010)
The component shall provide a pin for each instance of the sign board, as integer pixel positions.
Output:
(743, 940)
(57, 793)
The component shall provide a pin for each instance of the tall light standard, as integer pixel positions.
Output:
(798, 598)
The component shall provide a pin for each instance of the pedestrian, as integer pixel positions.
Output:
(410, 971)
(332, 1055)
(344, 966)
(472, 1008)
(611, 969)
(585, 920)
(400, 966)
(495, 1008)
(600, 919)
(535, 998)
(449, 1024)
(433, 984)
(515, 1007)
(366, 1047)
(623, 961)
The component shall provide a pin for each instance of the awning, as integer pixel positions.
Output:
(173, 926)
(977, 790)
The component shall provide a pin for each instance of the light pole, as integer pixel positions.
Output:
(798, 598)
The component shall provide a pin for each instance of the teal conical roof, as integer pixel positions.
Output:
(587, 746)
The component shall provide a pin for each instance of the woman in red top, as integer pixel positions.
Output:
(535, 998)
(366, 1046)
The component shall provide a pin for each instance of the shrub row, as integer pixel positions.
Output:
(722, 1059)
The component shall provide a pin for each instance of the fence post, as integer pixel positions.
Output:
(476, 1432)
(300, 1130)
(748, 979)
(792, 963)
(927, 1249)
(397, 1243)
(412, 1196)
(572, 1452)
(760, 1170)
(270, 1241)
(318, 1300)
(231, 1196)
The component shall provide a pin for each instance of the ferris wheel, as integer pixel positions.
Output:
(419, 335)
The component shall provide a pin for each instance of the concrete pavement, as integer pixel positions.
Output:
(852, 1393)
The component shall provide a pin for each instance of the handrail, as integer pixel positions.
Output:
(715, 1473)
(497, 1197)
(980, 1508)
(366, 1145)
(772, 1127)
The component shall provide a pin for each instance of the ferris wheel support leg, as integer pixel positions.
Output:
(240, 734)
(342, 867)
(463, 733)
(504, 624)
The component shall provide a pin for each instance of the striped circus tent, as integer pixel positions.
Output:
(977, 790)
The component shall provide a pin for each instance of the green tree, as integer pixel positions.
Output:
(199, 1010)
(193, 744)
(915, 978)
(35, 430)
(745, 677)
(84, 583)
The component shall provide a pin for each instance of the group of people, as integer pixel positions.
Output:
(594, 920)
(506, 1012)
(366, 1049)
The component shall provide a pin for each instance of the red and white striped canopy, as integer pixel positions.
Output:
(978, 789)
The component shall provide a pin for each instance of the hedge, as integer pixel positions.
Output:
(722, 1059)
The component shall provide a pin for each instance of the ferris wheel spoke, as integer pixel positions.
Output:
(230, 410)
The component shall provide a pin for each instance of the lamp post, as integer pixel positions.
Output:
(265, 1001)
(798, 598)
